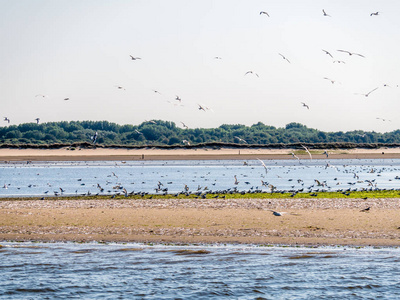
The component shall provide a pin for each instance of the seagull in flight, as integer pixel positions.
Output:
(351, 53)
(184, 125)
(66, 99)
(295, 156)
(41, 95)
(37, 120)
(217, 57)
(7, 120)
(331, 80)
(178, 99)
(157, 92)
(240, 139)
(251, 72)
(119, 87)
(308, 151)
(264, 13)
(265, 167)
(325, 14)
(201, 107)
(134, 58)
(305, 105)
(327, 52)
(367, 94)
(374, 14)
(284, 58)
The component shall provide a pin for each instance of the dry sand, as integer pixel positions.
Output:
(305, 222)
(175, 154)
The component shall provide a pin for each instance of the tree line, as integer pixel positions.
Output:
(159, 133)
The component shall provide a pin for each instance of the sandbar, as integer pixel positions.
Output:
(188, 221)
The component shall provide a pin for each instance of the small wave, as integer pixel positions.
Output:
(128, 249)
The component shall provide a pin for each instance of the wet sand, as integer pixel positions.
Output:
(305, 221)
(65, 154)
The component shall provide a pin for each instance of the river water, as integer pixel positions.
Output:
(138, 271)
(108, 178)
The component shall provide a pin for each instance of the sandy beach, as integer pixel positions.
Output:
(66, 154)
(304, 221)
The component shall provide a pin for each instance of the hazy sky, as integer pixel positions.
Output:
(81, 50)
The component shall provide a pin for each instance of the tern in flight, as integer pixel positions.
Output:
(325, 14)
(240, 139)
(41, 95)
(295, 156)
(331, 80)
(251, 72)
(327, 52)
(7, 120)
(367, 94)
(184, 125)
(134, 58)
(37, 120)
(264, 13)
(308, 151)
(305, 105)
(178, 99)
(265, 167)
(351, 53)
(284, 58)
(157, 92)
(119, 87)
(374, 14)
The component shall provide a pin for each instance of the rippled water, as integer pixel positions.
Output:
(116, 271)
(48, 178)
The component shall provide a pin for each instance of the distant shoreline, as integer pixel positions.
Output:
(110, 154)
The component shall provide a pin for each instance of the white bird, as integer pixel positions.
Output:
(308, 151)
(277, 214)
(134, 58)
(351, 53)
(94, 138)
(325, 14)
(138, 132)
(367, 94)
(265, 167)
(295, 156)
(305, 105)
(186, 142)
(240, 139)
(284, 57)
(251, 72)
(264, 13)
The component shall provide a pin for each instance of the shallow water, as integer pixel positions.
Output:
(70, 178)
(121, 271)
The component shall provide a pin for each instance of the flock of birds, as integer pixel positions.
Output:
(178, 101)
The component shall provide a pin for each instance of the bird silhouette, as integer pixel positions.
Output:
(327, 52)
(264, 13)
(305, 105)
(308, 151)
(263, 164)
(284, 57)
(251, 72)
(134, 58)
(37, 120)
(351, 53)
(325, 14)
(374, 14)
(367, 94)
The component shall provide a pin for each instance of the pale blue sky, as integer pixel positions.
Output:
(81, 50)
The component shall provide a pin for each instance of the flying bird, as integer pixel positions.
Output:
(264, 13)
(308, 151)
(138, 132)
(305, 105)
(331, 80)
(7, 120)
(295, 156)
(367, 94)
(94, 138)
(251, 72)
(41, 95)
(37, 120)
(351, 53)
(119, 87)
(236, 181)
(327, 52)
(184, 125)
(339, 61)
(178, 99)
(217, 57)
(240, 139)
(134, 58)
(374, 14)
(265, 167)
(284, 58)
(201, 107)
(325, 14)
(326, 153)
(66, 99)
